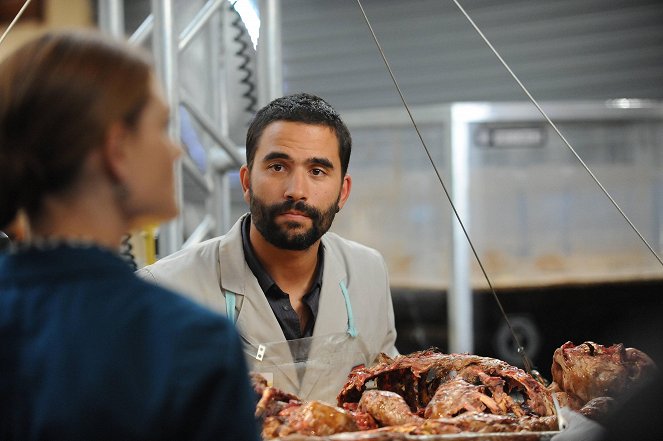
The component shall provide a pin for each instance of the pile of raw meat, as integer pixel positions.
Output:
(590, 378)
(429, 392)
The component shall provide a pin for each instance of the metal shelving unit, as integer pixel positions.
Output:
(211, 23)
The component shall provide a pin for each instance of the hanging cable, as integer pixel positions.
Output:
(126, 251)
(11, 25)
(554, 127)
(521, 350)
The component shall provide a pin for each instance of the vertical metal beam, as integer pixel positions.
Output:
(226, 39)
(221, 192)
(219, 201)
(459, 298)
(657, 203)
(165, 44)
(222, 201)
(111, 17)
(269, 54)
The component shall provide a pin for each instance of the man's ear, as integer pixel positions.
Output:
(245, 180)
(115, 152)
(346, 186)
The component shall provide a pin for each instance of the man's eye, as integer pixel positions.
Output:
(317, 172)
(276, 167)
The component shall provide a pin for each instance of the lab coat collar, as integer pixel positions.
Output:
(236, 276)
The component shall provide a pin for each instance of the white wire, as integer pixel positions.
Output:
(11, 25)
(552, 124)
(521, 350)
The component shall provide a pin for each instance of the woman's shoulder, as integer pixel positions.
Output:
(168, 303)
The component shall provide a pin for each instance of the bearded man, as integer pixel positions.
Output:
(309, 305)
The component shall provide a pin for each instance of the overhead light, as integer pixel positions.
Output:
(629, 103)
(247, 10)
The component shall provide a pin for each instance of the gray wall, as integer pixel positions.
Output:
(560, 49)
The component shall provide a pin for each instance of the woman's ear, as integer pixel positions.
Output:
(115, 153)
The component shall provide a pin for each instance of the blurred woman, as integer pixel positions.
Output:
(87, 350)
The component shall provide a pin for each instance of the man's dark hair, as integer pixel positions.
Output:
(300, 107)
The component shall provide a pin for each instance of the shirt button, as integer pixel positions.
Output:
(286, 308)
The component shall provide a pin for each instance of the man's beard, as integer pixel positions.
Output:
(281, 236)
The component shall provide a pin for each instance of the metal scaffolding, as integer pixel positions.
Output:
(167, 46)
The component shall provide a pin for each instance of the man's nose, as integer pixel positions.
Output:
(296, 188)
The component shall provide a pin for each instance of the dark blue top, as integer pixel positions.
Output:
(88, 351)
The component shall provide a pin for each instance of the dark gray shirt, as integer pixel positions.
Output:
(279, 300)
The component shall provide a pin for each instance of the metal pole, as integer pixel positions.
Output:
(111, 17)
(269, 56)
(219, 37)
(223, 206)
(143, 32)
(221, 138)
(165, 43)
(459, 298)
(198, 22)
(223, 164)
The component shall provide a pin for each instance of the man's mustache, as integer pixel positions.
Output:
(300, 206)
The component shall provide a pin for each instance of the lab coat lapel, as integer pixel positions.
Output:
(256, 321)
(332, 318)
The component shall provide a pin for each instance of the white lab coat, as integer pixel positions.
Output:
(205, 272)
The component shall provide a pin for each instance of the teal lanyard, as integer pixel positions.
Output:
(348, 307)
(352, 331)
(230, 306)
